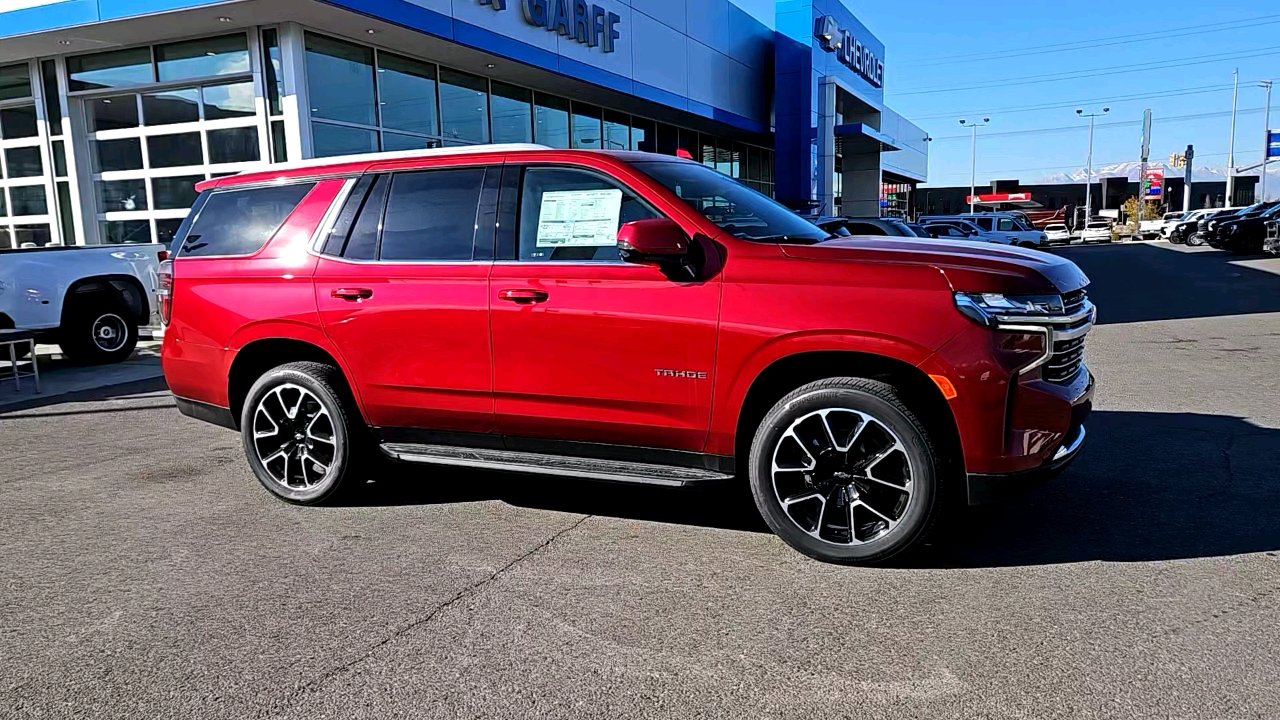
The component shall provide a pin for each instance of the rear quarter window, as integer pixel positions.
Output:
(239, 222)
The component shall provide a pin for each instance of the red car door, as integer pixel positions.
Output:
(405, 298)
(587, 347)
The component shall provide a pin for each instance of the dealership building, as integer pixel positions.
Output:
(112, 110)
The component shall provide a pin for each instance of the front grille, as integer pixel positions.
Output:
(1067, 360)
(1073, 301)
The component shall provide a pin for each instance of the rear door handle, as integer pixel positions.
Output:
(523, 297)
(352, 294)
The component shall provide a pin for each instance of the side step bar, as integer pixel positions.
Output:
(544, 464)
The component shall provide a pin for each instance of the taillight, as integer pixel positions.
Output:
(165, 290)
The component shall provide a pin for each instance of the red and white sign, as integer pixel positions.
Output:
(1019, 199)
(1154, 183)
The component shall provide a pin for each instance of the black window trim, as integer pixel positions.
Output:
(314, 182)
(512, 213)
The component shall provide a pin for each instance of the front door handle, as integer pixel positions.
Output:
(352, 294)
(523, 297)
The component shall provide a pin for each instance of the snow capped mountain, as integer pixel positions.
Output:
(1131, 170)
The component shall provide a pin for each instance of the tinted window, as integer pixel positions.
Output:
(984, 223)
(431, 215)
(239, 222)
(860, 228)
(363, 244)
(1007, 225)
(574, 215)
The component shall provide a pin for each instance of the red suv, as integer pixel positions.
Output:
(625, 317)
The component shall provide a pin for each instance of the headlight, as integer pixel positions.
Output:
(983, 307)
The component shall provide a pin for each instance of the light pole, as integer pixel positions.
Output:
(1088, 177)
(1231, 144)
(973, 158)
(1266, 142)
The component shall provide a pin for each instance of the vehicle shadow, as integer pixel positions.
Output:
(1148, 487)
(17, 406)
(1137, 282)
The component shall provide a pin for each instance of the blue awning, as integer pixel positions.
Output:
(860, 137)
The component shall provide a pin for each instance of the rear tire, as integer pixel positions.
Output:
(1193, 241)
(843, 472)
(298, 433)
(99, 329)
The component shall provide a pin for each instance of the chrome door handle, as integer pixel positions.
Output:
(352, 294)
(524, 296)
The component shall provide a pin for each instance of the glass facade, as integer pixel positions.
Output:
(148, 148)
(107, 147)
(371, 100)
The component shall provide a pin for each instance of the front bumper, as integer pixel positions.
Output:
(984, 488)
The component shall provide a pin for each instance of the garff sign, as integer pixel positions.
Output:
(590, 25)
(849, 50)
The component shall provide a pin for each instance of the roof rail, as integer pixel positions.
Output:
(396, 155)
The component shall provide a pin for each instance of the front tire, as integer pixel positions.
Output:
(843, 472)
(298, 433)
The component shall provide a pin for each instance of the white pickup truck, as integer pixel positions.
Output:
(89, 300)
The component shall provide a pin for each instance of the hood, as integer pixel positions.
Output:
(968, 266)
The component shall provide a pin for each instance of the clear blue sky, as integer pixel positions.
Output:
(1190, 45)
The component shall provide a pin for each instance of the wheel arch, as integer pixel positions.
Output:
(917, 390)
(260, 355)
(127, 287)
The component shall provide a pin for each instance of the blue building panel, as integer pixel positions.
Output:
(708, 23)
(659, 55)
(671, 13)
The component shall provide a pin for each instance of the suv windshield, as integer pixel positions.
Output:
(737, 209)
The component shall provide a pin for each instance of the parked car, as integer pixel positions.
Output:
(88, 300)
(1006, 225)
(1057, 234)
(1181, 232)
(918, 230)
(1169, 221)
(623, 317)
(956, 229)
(1207, 225)
(1272, 243)
(890, 226)
(1246, 233)
(1096, 231)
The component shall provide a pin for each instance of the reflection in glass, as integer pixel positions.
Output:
(6, 240)
(166, 228)
(121, 195)
(340, 80)
(279, 145)
(170, 106)
(586, 126)
(617, 131)
(122, 154)
(113, 113)
(174, 193)
(52, 105)
(642, 135)
(66, 221)
(225, 55)
(551, 121)
(464, 106)
(228, 101)
(59, 159)
(4, 207)
(117, 232)
(233, 145)
(116, 68)
(28, 200)
(397, 141)
(274, 79)
(24, 162)
(407, 94)
(512, 114)
(18, 122)
(174, 150)
(32, 235)
(330, 140)
(15, 81)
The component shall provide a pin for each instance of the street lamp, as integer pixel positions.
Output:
(1088, 178)
(973, 157)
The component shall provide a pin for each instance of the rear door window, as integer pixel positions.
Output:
(432, 215)
(984, 223)
(239, 222)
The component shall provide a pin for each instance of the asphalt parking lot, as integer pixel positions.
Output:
(145, 573)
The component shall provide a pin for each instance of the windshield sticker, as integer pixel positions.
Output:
(579, 218)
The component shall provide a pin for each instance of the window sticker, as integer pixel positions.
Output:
(579, 218)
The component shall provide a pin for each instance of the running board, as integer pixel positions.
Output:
(543, 464)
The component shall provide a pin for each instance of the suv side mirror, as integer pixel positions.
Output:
(656, 240)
